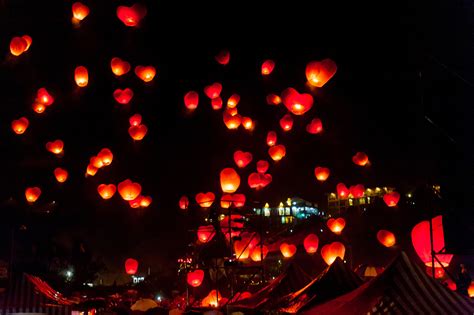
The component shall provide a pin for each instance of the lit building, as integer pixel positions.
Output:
(371, 196)
(289, 211)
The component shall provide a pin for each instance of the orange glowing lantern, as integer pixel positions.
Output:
(96, 162)
(262, 166)
(123, 96)
(438, 272)
(287, 250)
(212, 299)
(106, 191)
(28, 40)
(258, 180)
(19, 126)
(216, 103)
(191, 100)
(18, 45)
(131, 16)
(271, 138)
(213, 91)
(286, 122)
(258, 253)
(321, 173)
(129, 190)
(247, 123)
(183, 203)
(135, 120)
(470, 290)
(195, 278)
(360, 158)
(135, 203)
(226, 201)
(205, 233)
(233, 101)
(145, 73)
(386, 238)
(357, 191)
(342, 191)
(205, 200)
(330, 252)
(268, 66)
(55, 147)
(391, 199)
(318, 73)
(60, 174)
(81, 76)
(336, 225)
(131, 266)
(32, 194)
(91, 170)
(277, 152)
(311, 243)
(243, 247)
(232, 111)
(230, 180)
(223, 57)
(39, 108)
(231, 122)
(238, 200)
(242, 159)
(106, 156)
(315, 126)
(138, 132)
(119, 66)
(79, 11)
(145, 201)
(297, 103)
(273, 99)
(43, 97)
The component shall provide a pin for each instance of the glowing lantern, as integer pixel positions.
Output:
(213, 91)
(230, 180)
(258, 252)
(60, 174)
(232, 111)
(194, 278)
(123, 96)
(277, 152)
(146, 74)
(391, 199)
(360, 158)
(81, 76)
(386, 238)
(297, 103)
(336, 225)
(321, 173)
(19, 126)
(39, 108)
(286, 122)
(262, 166)
(342, 191)
(145, 201)
(315, 126)
(238, 200)
(96, 162)
(55, 147)
(287, 250)
(135, 203)
(191, 100)
(43, 97)
(452, 285)
(205, 200)
(311, 243)
(28, 41)
(91, 170)
(32, 194)
(242, 159)
(273, 99)
(79, 11)
(470, 290)
(231, 122)
(247, 123)
(138, 132)
(234, 225)
(216, 103)
(106, 191)
(212, 299)
(271, 138)
(420, 237)
(183, 203)
(131, 16)
(243, 247)
(267, 67)
(131, 266)
(357, 191)
(233, 100)
(258, 180)
(129, 190)
(119, 66)
(319, 72)
(105, 156)
(226, 201)
(223, 57)
(135, 120)
(438, 272)
(330, 252)
(205, 233)
(18, 45)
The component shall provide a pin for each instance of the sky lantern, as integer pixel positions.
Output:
(91, 170)
(386, 238)
(20, 125)
(470, 290)
(18, 45)
(39, 108)
(233, 100)
(243, 247)
(268, 66)
(79, 12)
(330, 252)
(277, 152)
(230, 180)
(135, 203)
(96, 162)
(131, 266)
(231, 122)
(315, 126)
(420, 237)
(273, 99)
(32, 194)
(131, 16)
(195, 278)
(216, 103)
(342, 191)
(223, 57)
(135, 120)
(60, 174)
(145, 201)
(336, 225)
(321, 173)
(319, 72)
(214, 90)
(247, 122)
(357, 191)
(106, 191)
(183, 203)
(106, 156)
(191, 100)
(360, 158)
(238, 200)
(123, 96)
(311, 243)
(145, 73)
(212, 299)
(297, 103)
(138, 132)
(129, 190)
(226, 201)
(286, 122)
(43, 97)
(262, 166)
(287, 250)
(55, 147)
(271, 138)
(205, 233)
(242, 159)
(232, 111)
(391, 199)
(119, 67)
(258, 180)
(258, 252)
(81, 76)
(205, 200)
(28, 41)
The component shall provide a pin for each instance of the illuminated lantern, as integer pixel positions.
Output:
(146, 74)
(271, 138)
(242, 159)
(357, 191)
(420, 237)
(321, 173)
(273, 99)
(438, 272)
(81, 75)
(39, 108)
(191, 100)
(131, 16)
(470, 290)
(277, 152)
(216, 103)
(18, 46)
(238, 200)
(91, 170)
(55, 147)
(391, 199)
(135, 120)
(286, 122)
(226, 201)
(267, 67)
(60, 174)
(452, 285)
(311, 243)
(194, 278)
(135, 203)
(119, 66)
(247, 123)
(137, 132)
(79, 11)
(336, 225)
(145, 201)
(342, 191)
(106, 191)
(43, 97)
(131, 266)
(258, 252)
(233, 100)
(360, 158)
(19, 126)
(230, 180)
(262, 166)
(32, 194)
(235, 225)
(105, 156)
(232, 111)
(129, 190)
(297, 103)
(96, 162)
(243, 247)
(28, 40)
(213, 91)
(231, 122)
(223, 57)
(123, 96)
(205, 233)
(315, 126)
(183, 203)
(258, 180)
(287, 250)
(319, 72)
(386, 238)
(212, 299)
(330, 252)
(205, 200)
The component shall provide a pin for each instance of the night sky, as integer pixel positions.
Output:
(376, 103)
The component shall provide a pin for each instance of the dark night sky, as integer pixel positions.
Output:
(373, 104)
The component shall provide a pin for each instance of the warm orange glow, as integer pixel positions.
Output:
(138, 132)
(273, 99)
(267, 67)
(129, 190)
(238, 200)
(286, 122)
(470, 290)
(20, 125)
(131, 266)
(262, 166)
(106, 156)
(311, 243)
(318, 73)
(131, 16)
(191, 100)
(226, 201)
(55, 147)
(81, 75)
(321, 173)
(271, 138)
(342, 191)
(135, 203)
(296, 103)
(232, 111)
(247, 123)
(60, 174)
(214, 90)
(43, 97)
(32, 194)
(18, 45)
(183, 203)
(39, 108)
(336, 225)
(242, 159)
(96, 162)
(91, 170)
(135, 120)
(223, 57)
(79, 11)
(231, 122)
(287, 250)
(230, 180)
(195, 278)
(258, 252)
(145, 201)
(360, 158)
(243, 247)
(357, 191)
(391, 199)
(277, 152)
(106, 191)
(123, 96)
(330, 252)
(119, 67)
(258, 180)
(28, 40)
(212, 299)
(315, 126)
(205, 200)
(233, 101)
(386, 238)
(216, 103)
(205, 233)
(145, 73)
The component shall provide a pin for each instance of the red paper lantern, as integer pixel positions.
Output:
(258, 252)
(238, 200)
(233, 101)
(242, 159)
(386, 238)
(357, 191)
(273, 99)
(81, 76)
(123, 96)
(19, 126)
(205, 200)
(135, 120)
(232, 111)
(247, 123)
(145, 73)
(91, 170)
(129, 190)
(243, 247)
(183, 203)
(205, 233)
(226, 201)
(223, 57)
(43, 97)
(106, 191)
(360, 158)
(138, 132)
(195, 278)
(271, 138)
(105, 156)
(60, 174)
(145, 201)
(268, 66)
(342, 191)
(213, 299)
(318, 73)
(311, 243)
(297, 103)
(330, 252)
(131, 266)
(391, 199)
(131, 16)
(262, 166)
(213, 91)
(32, 194)
(232, 122)
(17, 46)
(258, 180)
(286, 122)
(321, 173)
(216, 103)
(230, 180)
(336, 225)
(79, 11)
(191, 100)
(96, 162)
(39, 108)
(315, 126)
(287, 250)
(119, 66)
(277, 152)
(55, 147)
(470, 290)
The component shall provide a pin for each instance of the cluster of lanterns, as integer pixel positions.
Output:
(137, 130)
(20, 44)
(102, 159)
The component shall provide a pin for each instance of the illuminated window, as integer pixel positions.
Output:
(266, 212)
(362, 201)
(351, 202)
